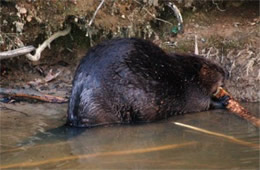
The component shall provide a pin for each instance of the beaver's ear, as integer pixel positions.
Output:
(205, 70)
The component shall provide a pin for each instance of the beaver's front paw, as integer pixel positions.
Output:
(219, 103)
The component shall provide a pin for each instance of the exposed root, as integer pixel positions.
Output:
(16, 52)
(46, 43)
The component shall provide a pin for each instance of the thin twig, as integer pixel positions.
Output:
(159, 19)
(196, 50)
(95, 13)
(231, 138)
(16, 52)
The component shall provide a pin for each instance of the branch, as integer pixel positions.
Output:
(31, 94)
(16, 52)
(46, 43)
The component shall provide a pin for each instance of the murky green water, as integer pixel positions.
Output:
(32, 136)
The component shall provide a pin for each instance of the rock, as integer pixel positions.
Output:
(21, 10)
(5, 22)
(19, 26)
(29, 18)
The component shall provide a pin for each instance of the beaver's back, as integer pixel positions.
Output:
(132, 80)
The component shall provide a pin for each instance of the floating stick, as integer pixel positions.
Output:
(231, 138)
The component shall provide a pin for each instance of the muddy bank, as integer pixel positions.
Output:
(227, 33)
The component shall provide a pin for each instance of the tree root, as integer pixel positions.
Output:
(46, 43)
(27, 49)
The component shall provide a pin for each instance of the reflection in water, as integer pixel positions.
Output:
(40, 140)
(62, 133)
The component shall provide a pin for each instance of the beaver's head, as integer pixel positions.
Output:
(212, 76)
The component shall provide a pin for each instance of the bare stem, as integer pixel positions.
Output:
(95, 13)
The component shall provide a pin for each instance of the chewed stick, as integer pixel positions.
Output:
(236, 108)
(230, 138)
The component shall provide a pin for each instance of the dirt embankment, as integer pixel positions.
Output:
(227, 33)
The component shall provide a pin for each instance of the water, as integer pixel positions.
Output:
(33, 136)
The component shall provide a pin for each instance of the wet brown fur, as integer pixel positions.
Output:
(133, 80)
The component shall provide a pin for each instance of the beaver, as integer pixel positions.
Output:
(132, 80)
